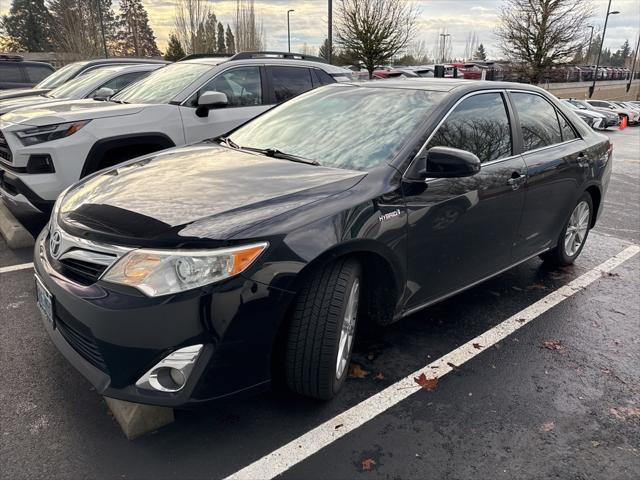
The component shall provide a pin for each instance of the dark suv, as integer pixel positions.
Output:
(15, 72)
(53, 80)
(204, 271)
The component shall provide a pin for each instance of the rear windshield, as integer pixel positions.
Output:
(349, 127)
(58, 77)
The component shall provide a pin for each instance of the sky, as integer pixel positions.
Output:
(458, 17)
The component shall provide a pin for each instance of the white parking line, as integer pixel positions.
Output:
(285, 457)
(13, 268)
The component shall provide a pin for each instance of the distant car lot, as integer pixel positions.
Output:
(558, 397)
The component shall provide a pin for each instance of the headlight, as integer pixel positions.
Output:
(161, 272)
(47, 133)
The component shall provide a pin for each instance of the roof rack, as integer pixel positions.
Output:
(284, 55)
(10, 58)
(204, 55)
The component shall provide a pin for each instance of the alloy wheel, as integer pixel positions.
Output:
(348, 329)
(577, 229)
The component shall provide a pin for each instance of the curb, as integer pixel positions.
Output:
(137, 420)
(12, 230)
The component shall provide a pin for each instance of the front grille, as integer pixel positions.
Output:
(5, 151)
(85, 273)
(80, 339)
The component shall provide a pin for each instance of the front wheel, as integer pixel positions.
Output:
(322, 329)
(574, 234)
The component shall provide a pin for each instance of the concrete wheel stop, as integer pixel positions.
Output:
(12, 230)
(136, 419)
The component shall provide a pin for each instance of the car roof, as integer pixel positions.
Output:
(116, 60)
(445, 84)
(214, 61)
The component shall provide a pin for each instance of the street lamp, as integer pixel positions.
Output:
(592, 88)
(289, 30)
(444, 42)
(589, 47)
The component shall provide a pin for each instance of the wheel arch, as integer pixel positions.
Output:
(104, 145)
(596, 198)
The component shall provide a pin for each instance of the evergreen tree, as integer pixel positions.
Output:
(481, 53)
(230, 41)
(221, 48)
(323, 51)
(28, 25)
(174, 50)
(135, 36)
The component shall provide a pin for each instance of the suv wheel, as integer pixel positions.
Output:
(322, 329)
(574, 234)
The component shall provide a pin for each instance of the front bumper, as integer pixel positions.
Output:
(113, 335)
(19, 197)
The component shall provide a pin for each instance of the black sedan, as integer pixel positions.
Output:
(207, 271)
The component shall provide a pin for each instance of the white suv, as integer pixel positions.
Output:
(46, 148)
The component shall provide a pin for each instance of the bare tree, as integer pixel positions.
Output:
(538, 34)
(249, 32)
(375, 30)
(190, 19)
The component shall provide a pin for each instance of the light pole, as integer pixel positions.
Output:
(330, 32)
(444, 42)
(289, 30)
(633, 66)
(592, 88)
(589, 47)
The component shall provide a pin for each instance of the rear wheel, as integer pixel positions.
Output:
(574, 234)
(322, 329)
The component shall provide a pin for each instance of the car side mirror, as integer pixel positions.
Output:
(209, 100)
(104, 93)
(443, 162)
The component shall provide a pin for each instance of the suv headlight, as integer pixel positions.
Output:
(33, 136)
(162, 272)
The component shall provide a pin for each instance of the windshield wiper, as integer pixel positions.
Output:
(229, 142)
(111, 100)
(275, 153)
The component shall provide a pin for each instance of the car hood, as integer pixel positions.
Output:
(20, 102)
(69, 111)
(201, 192)
(22, 92)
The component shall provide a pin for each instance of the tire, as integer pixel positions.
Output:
(567, 251)
(314, 334)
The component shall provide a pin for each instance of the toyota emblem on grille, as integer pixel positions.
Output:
(54, 244)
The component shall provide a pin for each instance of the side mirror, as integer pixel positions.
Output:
(210, 99)
(443, 162)
(103, 93)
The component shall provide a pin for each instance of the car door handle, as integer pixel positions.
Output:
(516, 180)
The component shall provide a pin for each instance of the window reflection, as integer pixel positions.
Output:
(538, 121)
(479, 125)
(350, 127)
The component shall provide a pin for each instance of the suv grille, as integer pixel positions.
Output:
(5, 151)
(85, 273)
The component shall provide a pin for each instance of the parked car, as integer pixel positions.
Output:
(629, 114)
(71, 71)
(595, 120)
(15, 72)
(612, 118)
(183, 103)
(424, 72)
(100, 84)
(393, 73)
(202, 272)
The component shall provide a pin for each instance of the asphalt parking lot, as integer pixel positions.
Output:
(557, 398)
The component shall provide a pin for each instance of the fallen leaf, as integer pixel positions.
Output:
(537, 286)
(610, 274)
(379, 376)
(428, 384)
(554, 345)
(356, 371)
(548, 427)
(367, 464)
(477, 346)
(453, 366)
(521, 320)
(338, 426)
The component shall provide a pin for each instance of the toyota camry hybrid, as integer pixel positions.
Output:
(201, 272)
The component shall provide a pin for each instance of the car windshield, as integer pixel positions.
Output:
(76, 87)
(348, 127)
(162, 85)
(58, 77)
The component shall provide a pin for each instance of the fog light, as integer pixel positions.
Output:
(171, 373)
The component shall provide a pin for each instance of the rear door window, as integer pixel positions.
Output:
(287, 82)
(538, 121)
(323, 77)
(480, 125)
(37, 73)
(242, 86)
(566, 129)
(11, 73)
